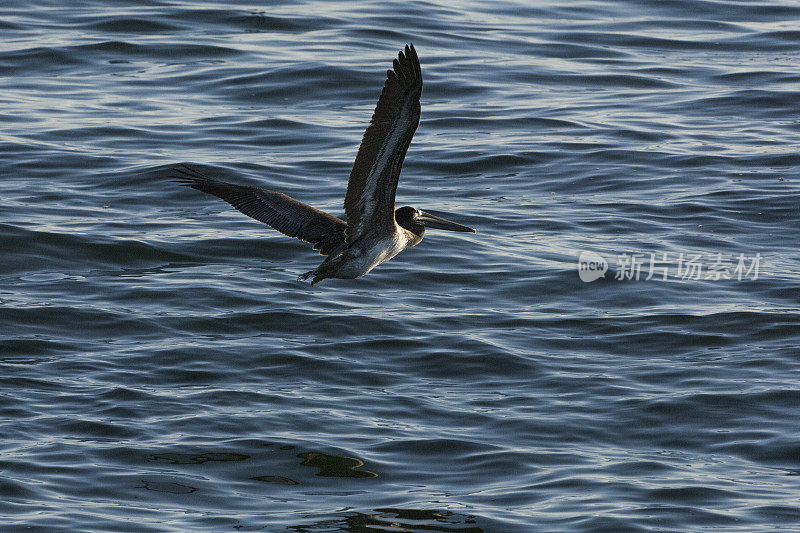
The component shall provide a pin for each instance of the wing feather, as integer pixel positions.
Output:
(373, 181)
(285, 214)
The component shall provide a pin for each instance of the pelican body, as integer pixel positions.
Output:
(373, 232)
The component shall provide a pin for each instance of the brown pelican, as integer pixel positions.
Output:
(374, 232)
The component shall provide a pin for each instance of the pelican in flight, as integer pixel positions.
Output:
(374, 231)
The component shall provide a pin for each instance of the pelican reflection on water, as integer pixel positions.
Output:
(374, 231)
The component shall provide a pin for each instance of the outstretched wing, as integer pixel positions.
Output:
(275, 209)
(373, 180)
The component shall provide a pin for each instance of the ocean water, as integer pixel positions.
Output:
(161, 369)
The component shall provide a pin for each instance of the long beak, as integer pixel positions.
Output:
(432, 221)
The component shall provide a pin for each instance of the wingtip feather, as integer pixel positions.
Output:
(188, 177)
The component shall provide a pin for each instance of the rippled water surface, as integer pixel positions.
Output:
(161, 369)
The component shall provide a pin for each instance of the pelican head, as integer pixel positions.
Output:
(416, 220)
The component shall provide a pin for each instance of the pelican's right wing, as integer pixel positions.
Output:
(285, 214)
(369, 202)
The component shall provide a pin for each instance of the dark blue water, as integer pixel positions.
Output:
(161, 369)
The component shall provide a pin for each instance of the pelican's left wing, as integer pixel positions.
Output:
(282, 212)
(373, 181)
